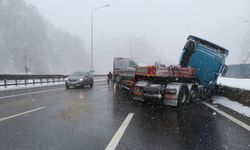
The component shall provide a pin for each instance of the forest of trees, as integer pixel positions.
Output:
(25, 33)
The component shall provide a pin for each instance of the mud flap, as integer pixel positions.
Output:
(171, 102)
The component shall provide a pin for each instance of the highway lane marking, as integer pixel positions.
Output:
(30, 93)
(114, 88)
(240, 123)
(30, 87)
(118, 135)
(20, 114)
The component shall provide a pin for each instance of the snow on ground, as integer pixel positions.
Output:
(13, 87)
(244, 110)
(235, 82)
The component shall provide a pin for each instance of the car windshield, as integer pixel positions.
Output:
(125, 74)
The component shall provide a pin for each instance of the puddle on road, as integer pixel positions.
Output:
(114, 88)
(75, 109)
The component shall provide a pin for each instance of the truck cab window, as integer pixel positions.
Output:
(188, 50)
(132, 64)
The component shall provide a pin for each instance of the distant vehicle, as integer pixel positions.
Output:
(79, 79)
(124, 68)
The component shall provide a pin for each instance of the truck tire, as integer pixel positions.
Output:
(193, 95)
(183, 96)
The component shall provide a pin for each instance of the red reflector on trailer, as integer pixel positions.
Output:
(152, 70)
(170, 91)
(169, 96)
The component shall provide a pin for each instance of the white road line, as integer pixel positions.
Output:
(240, 123)
(29, 87)
(118, 135)
(22, 94)
(20, 114)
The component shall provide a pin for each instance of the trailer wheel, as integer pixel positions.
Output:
(182, 96)
(193, 94)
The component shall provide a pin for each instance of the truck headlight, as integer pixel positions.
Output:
(80, 79)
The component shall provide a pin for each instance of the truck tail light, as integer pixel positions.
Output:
(170, 91)
(170, 94)
(138, 91)
(152, 70)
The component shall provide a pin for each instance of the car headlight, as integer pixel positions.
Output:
(80, 79)
(66, 79)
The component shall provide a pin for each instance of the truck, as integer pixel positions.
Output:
(125, 68)
(200, 64)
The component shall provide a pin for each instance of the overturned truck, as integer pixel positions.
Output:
(200, 65)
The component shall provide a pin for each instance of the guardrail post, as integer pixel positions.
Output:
(47, 80)
(34, 81)
(58, 79)
(41, 81)
(16, 82)
(25, 82)
(53, 80)
(5, 83)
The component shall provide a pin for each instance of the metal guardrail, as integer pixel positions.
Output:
(100, 75)
(21, 79)
(12, 79)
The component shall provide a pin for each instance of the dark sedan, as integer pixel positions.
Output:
(79, 79)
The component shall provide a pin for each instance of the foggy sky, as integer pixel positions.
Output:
(164, 23)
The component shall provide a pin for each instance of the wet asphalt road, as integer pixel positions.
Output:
(89, 118)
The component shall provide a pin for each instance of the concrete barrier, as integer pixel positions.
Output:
(240, 95)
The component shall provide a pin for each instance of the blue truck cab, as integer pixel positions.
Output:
(207, 58)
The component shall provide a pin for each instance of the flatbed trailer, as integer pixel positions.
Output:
(168, 85)
(200, 65)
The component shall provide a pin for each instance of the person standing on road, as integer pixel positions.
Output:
(110, 76)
